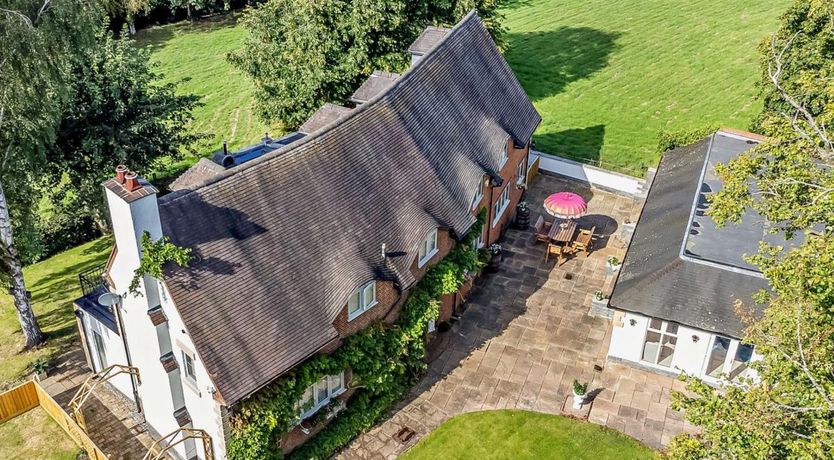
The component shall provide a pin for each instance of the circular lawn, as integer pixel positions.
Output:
(517, 434)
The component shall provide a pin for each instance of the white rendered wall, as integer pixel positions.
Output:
(691, 351)
(114, 352)
(591, 174)
(130, 220)
(203, 408)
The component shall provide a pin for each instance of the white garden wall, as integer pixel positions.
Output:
(595, 176)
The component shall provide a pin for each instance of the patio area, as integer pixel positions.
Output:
(526, 335)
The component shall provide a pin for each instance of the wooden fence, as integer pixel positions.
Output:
(30, 395)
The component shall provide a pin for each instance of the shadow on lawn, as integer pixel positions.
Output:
(545, 62)
(580, 144)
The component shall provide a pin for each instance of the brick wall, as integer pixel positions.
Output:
(386, 297)
(508, 173)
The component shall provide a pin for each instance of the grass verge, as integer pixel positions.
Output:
(54, 285)
(516, 434)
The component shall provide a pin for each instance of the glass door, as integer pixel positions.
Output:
(101, 353)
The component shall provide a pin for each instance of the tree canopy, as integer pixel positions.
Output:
(301, 53)
(119, 113)
(788, 179)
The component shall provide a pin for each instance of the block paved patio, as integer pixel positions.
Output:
(526, 335)
(111, 425)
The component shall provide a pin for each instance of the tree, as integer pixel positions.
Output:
(132, 8)
(302, 53)
(789, 411)
(40, 40)
(120, 112)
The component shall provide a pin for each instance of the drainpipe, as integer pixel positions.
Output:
(491, 209)
(127, 356)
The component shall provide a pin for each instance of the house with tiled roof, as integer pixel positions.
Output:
(683, 279)
(302, 241)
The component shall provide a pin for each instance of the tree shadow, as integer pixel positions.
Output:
(157, 37)
(545, 62)
(580, 144)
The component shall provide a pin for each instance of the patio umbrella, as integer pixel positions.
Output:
(566, 205)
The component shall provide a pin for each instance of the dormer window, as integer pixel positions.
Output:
(362, 300)
(479, 194)
(428, 248)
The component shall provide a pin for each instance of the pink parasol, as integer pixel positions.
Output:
(566, 205)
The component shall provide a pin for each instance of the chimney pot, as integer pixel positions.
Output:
(121, 170)
(131, 183)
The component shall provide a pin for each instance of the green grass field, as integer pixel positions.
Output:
(35, 436)
(194, 54)
(607, 75)
(516, 435)
(54, 285)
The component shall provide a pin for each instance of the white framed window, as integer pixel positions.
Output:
(428, 248)
(521, 174)
(479, 194)
(501, 205)
(188, 368)
(320, 393)
(362, 300)
(727, 358)
(659, 345)
(505, 155)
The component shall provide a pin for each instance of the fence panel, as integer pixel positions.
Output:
(68, 424)
(18, 400)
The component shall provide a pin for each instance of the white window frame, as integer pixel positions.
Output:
(521, 174)
(664, 332)
(479, 194)
(335, 385)
(726, 368)
(189, 376)
(364, 300)
(425, 254)
(505, 155)
(501, 205)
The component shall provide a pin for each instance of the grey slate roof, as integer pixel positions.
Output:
(375, 84)
(202, 171)
(430, 37)
(660, 281)
(328, 113)
(282, 241)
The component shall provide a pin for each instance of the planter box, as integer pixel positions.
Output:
(600, 308)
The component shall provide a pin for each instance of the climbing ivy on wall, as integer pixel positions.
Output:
(155, 254)
(385, 362)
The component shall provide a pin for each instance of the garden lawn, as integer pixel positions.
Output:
(194, 54)
(607, 75)
(35, 436)
(54, 285)
(516, 434)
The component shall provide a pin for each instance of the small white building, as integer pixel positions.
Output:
(683, 278)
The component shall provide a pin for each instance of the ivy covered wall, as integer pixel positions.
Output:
(385, 361)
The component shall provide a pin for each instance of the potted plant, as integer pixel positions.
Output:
(39, 367)
(599, 304)
(580, 391)
(494, 258)
(522, 215)
(614, 264)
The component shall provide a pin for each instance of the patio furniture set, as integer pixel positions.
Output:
(564, 236)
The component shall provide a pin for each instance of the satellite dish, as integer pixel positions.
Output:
(109, 299)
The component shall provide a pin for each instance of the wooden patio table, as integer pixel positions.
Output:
(561, 235)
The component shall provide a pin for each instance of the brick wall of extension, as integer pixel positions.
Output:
(390, 300)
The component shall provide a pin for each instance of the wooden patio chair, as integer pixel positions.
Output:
(557, 250)
(583, 240)
(542, 228)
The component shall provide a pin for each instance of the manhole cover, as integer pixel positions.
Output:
(405, 434)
